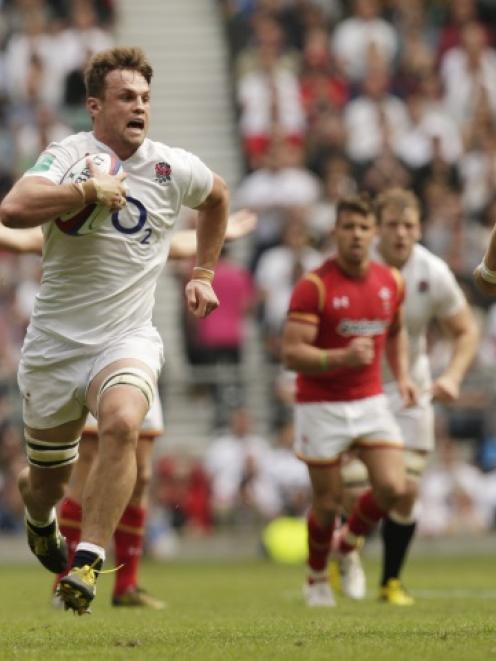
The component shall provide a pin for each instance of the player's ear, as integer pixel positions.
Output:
(93, 106)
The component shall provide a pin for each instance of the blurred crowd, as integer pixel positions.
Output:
(332, 97)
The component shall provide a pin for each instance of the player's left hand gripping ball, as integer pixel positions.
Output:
(90, 217)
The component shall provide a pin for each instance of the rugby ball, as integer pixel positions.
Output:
(90, 217)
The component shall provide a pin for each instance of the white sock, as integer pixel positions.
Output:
(401, 519)
(317, 576)
(38, 523)
(92, 548)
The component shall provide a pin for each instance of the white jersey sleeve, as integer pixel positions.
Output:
(54, 162)
(198, 179)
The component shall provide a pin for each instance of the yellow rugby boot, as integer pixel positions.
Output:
(77, 590)
(395, 593)
(137, 597)
(48, 545)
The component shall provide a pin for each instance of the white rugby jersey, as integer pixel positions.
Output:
(432, 292)
(102, 285)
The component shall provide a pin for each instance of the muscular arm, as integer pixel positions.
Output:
(28, 240)
(300, 354)
(489, 261)
(211, 227)
(210, 232)
(462, 330)
(33, 201)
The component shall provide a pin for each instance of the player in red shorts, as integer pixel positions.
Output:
(341, 319)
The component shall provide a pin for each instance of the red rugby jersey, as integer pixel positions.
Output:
(344, 307)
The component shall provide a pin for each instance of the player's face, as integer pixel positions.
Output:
(399, 230)
(121, 118)
(354, 234)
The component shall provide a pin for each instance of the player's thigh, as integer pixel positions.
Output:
(386, 468)
(326, 485)
(134, 360)
(53, 396)
(115, 367)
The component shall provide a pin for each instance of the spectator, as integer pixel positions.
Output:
(469, 71)
(236, 462)
(374, 119)
(181, 491)
(289, 473)
(269, 99)
(281, 184)
(220, 337)
(362, 36)
(452, 497)
(277, 272)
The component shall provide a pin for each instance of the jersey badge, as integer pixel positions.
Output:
(385, 296)
(423, 286)
(340, 302)
(163, 172)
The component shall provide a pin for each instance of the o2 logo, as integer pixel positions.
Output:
(138, 226)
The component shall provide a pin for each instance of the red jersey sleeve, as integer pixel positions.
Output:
(307, 300)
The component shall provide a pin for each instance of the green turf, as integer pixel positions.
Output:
(239, 610)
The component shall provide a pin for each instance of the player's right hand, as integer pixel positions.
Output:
(201, 298)
(359, 352)
(110, 188)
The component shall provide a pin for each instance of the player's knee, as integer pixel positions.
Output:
(391, 492)
(406, 503)
(120, 426)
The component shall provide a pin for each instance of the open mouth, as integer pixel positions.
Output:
(136, 124)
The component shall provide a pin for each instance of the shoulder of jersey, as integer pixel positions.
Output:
(423, 255)
(77, 139)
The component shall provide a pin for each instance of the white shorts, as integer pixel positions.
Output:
(416, 422)
(324, 430)
(54, 375)
(153, 424)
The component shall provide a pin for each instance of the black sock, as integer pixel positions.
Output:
(44, 531)
(396, 538)
(82, 558)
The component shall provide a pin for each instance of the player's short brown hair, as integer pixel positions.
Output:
(398, 199)
(354, 204)
(105, 61)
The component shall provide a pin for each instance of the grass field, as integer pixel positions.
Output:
(253, 610)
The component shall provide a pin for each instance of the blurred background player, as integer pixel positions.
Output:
(432, 294)
(128, 537)
(341, 319)
(109, 367)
